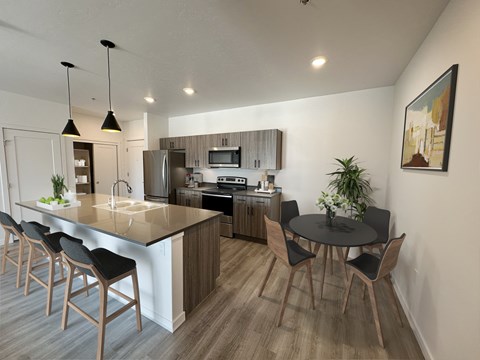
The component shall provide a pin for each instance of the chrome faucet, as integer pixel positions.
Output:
(113, 203)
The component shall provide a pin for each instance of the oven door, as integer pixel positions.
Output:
(218, 202)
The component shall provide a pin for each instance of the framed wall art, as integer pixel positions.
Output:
(428, 125)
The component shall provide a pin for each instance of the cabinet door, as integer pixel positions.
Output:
(196, 151)
(261, 149)
(240, 215)
(226, 139)
(172, 143)
(258, 208)
(196, 199)
(181, 198)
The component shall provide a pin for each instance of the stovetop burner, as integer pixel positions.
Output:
(227, 185)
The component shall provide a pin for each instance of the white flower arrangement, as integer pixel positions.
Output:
(332, 202)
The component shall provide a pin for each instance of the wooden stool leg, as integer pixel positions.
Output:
(85, 283)
(102, 320)
(51, 279)
(310, 281)
(60, 266)
(270, 268)
(21, 243)
(68, 294)
(5, 251)
(136, 295)
(29, 268)
(322, 280)
(347, 292)
(373, 301)
(285, 298)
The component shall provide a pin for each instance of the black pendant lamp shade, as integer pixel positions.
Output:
(70, 129)
(110, 124)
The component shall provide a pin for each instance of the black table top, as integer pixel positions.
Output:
(344, 232)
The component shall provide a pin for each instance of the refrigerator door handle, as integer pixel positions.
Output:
(164, 173)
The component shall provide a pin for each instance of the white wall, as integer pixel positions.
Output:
(315, 131)
(438, 272)
(155, 127)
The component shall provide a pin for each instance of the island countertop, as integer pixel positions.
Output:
(142, 228)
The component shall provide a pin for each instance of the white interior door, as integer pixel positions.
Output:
(105, 167)
(135, 167)
(32, 158)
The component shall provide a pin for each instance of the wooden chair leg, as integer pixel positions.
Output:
(68, 294)
(285, 298)
(310, 280)
(322, 280)
(316, 248)
(342, 262)
(330, 250)
(361, 250)
(85, 283)
(364, 287)
(373, 301)
(29, 268)
(136, 295)
(395, 300)
(20, 261)
(270, 268)
(346, 254)
(5, 251)
(51, 280)
(347, 292)
(309, 245)
(102, 319)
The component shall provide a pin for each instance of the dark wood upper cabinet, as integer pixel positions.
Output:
(260, 149)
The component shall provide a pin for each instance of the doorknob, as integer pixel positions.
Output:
(98, 182)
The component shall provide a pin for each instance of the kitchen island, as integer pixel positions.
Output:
(176, 248)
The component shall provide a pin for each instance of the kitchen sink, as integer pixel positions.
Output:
(131, 206)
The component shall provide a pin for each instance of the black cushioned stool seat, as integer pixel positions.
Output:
(113, 264)
(12, 228)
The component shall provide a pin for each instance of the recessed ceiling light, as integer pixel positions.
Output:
(319, 61)
(189, 91)
(149, 99)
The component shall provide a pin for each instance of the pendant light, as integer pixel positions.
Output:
(110, 124)
(70, 129)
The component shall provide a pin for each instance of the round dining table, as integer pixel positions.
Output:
(344, 232)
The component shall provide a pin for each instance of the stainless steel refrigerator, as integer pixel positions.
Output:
(163, 172)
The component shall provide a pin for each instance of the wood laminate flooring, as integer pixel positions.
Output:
(232, 323)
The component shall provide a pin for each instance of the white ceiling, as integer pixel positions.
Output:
(233, 52)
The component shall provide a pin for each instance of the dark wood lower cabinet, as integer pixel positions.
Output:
(248, 212)
(191, 198)
(201, 262)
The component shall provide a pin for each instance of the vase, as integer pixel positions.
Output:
(330, 217)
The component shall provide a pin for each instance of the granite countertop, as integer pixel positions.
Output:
(143, 228)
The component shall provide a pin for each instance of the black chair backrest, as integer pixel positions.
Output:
(289, 210)
(81, 254)
(379, 219)
(7, 220)
(33, 232)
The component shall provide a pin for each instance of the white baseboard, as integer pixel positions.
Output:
(413, 324)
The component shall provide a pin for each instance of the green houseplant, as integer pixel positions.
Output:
(58, 186)
(350, 181)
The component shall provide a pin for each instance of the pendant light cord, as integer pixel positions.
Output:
(68, 86)
(109, 90)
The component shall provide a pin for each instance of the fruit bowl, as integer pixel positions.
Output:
(56, 206)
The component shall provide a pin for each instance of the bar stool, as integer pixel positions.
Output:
(108, 268)
(12, 229)
(45, 247)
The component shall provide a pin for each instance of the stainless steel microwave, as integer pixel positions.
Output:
(224, 157)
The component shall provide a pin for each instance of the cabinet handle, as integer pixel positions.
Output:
(255, 163)
(248, 210)
(258, 163)
(226, 142)
(251, 211)
(223, 142)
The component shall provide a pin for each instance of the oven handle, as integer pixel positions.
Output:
(221, 196)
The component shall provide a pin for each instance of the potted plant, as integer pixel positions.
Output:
(58, 186)
(350, 180)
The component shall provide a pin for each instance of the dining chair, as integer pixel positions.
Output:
(12, 229)
(108, 268)
(44, 247)
(370, 269)
(291, 255)
(379, 220)
(289, 210)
